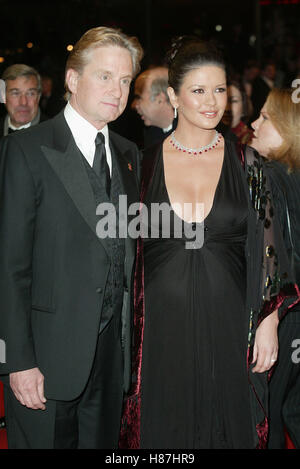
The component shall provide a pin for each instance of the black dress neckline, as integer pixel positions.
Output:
(161, 158)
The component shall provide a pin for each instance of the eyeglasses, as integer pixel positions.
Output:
(30, 94)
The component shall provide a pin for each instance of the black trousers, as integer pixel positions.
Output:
(91, 421)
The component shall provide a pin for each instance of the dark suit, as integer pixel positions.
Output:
(54, 269)
(154, 135)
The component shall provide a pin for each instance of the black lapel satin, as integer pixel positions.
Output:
(128, 179)
(68, 165)
(127, 171)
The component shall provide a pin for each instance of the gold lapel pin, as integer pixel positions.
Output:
(129, 167)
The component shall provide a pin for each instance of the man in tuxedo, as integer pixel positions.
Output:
(23, 92)
(151, 102)
(65, 289)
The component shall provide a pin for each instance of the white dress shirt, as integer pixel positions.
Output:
(84, 135)
(269, 82)
(11, 126)
(167, 129)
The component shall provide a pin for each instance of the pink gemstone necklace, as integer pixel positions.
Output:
(196, 151)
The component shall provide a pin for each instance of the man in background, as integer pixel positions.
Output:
(152, 103)
(261, 87)
(51, 98)
(23, 92)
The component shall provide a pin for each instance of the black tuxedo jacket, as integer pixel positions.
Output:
(53, 267)
(154, 135)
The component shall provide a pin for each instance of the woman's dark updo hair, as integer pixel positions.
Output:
(188, 53)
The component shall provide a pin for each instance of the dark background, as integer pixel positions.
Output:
(51, 26)
(251, 29)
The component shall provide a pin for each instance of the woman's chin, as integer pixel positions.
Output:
(252, 143)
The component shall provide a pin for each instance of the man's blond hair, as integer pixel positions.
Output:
(101, 37)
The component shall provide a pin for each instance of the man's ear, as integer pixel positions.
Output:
(72, 80)
(161, 98)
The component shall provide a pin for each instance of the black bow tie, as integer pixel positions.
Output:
(100, 164)
(11, 131)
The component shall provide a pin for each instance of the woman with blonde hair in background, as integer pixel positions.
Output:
(277, 137)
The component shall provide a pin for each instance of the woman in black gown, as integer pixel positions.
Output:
(192, 338)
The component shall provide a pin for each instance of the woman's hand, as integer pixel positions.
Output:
(265, 350)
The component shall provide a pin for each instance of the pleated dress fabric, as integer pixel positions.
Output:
(195, 391)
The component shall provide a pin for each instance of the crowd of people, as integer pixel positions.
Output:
(180, 333)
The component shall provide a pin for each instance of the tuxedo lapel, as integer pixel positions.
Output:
(66, 161)
(127, 171)
(128, 180)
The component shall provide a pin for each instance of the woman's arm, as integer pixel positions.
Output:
(265, 349)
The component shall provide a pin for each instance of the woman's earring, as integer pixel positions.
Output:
(175, 112)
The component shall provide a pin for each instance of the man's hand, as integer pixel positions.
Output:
(28, 387)
(265, 351)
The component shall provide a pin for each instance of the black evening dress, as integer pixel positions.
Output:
(195, 391)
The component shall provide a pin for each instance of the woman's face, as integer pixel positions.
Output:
(234, 109)
(202, 97)
(266, 137)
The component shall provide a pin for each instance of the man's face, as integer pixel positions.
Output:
(100, 92)
(22, 99)
(145, 105)
(270, 71)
